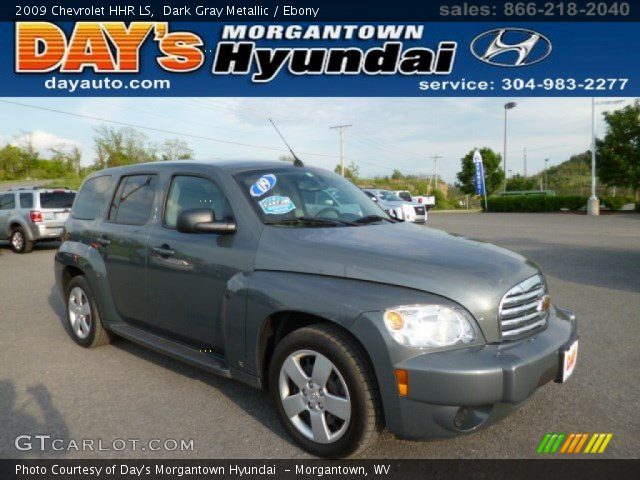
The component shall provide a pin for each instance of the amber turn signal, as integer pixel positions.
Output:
(402, 379)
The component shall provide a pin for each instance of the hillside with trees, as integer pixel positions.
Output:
(113, 146)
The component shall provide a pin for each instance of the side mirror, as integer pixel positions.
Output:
(203, 220)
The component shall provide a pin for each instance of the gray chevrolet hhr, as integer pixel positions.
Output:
(291, 279)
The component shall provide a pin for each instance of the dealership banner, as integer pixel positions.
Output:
(441, 49)
(479, 173)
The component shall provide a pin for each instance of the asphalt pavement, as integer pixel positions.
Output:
(123, 392)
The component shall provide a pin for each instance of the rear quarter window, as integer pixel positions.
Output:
(26, 200)
(56, 199)
(91, 198)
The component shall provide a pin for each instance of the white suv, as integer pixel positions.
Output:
(29, 215)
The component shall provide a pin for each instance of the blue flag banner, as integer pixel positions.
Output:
(479, 174)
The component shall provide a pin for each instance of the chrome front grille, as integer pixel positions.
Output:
(524, 309)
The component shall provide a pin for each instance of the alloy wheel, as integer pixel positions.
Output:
(17, 240)
(79, 312)
(314, 396)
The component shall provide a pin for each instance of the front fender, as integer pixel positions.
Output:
(90, 262)
(336, 299)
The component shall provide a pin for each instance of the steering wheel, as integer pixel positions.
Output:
(326, 210)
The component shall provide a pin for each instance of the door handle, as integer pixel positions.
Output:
(164, 251)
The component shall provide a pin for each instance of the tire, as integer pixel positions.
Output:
(19, 241)
(350, 379)
(86, 332)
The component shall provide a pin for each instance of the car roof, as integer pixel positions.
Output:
(230, 166)
(37, 190)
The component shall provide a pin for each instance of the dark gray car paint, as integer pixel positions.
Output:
(471, 273)
(345, 275)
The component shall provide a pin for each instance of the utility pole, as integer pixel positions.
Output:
(524, 151)
(341, 128)
(546, 166)
(435, 168)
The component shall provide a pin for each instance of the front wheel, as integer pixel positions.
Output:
(325, 392)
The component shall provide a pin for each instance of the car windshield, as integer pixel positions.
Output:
(308, 197)
(390, 196)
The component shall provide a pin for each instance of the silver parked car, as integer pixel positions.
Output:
(396, 206)
(30, 215)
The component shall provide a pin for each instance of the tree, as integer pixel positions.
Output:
(351, 171)
(174, 149)
(69, 157)
(618, 160)
(124, 146)
(12, 164)
(494, 175)
(520, 183)
(397, 175)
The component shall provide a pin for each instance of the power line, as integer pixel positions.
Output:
(173, 118)
(160, 130)
(213, 105)
(183, 134)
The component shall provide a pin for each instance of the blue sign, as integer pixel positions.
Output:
(263, 185)
(221, 57)
(479, 174)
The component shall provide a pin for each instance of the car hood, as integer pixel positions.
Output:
(473, 274)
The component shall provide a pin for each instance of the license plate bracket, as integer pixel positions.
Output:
(568, 359)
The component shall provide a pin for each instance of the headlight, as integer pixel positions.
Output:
(428, 326)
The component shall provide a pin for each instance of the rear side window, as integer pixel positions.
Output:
(7, 201)
(56, 199)
(188, 193)
(133, 200)
(91, 198)
(26, 200)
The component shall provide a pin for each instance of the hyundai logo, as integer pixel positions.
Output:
(263, 185)
(511, 47)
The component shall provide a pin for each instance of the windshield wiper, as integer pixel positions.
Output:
(314, 220)
(371, 219)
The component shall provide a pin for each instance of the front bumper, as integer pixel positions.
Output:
(459, 391)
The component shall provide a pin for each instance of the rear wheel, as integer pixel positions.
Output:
(83, 321)
(325, 392)
(19, 241)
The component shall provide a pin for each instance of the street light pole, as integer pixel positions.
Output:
(507, 106)
(593, 204)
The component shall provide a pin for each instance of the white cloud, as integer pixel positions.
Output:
(43, 142)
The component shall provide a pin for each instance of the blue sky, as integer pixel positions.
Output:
(387, 133)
